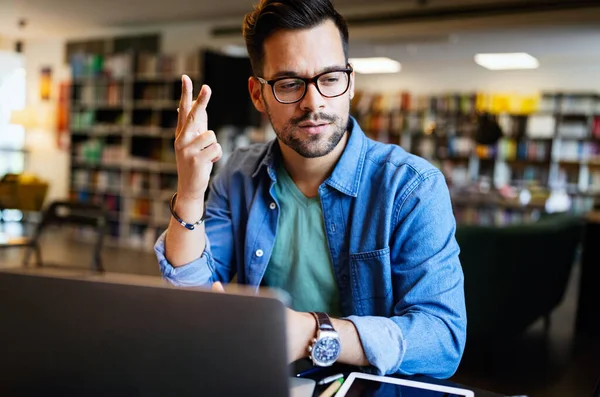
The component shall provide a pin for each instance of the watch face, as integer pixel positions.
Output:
(326, 350)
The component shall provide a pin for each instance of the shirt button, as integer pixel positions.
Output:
(273, 206)
(259, 253)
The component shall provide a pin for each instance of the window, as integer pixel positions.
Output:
(12, 97)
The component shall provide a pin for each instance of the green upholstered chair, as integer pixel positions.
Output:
(516, 274)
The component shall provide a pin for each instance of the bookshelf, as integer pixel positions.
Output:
(123, 115)
(545, 142)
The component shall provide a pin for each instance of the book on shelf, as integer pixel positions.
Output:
(548, 104)
(89, 66)
(596, 128)
(541, 126)
(578, 103)
(573, 129)
(123, 66)
(151, 94)
(161, 212)
(94, 94)
(96, 151)
(139, 182)
(579, 151)
(594, 181)
(82, 120)
(140, 209)
(118, 66)
(460, 147)
(98, 180)
(167, 65)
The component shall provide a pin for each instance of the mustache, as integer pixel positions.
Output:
(314, 117)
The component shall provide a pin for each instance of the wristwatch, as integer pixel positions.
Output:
(326, 346)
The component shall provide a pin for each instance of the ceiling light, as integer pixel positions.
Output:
(507, 61)
(375, 65)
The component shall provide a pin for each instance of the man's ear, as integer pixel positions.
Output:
(255, 89)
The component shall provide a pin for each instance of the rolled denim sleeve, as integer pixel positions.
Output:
(426, 333)
(382, 341)
(197, 273)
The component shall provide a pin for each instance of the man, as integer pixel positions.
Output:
(347, 226)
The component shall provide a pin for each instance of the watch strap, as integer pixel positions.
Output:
(323, 321)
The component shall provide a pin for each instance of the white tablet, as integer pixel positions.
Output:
(362, 385)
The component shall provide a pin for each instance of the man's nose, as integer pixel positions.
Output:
(313, 100)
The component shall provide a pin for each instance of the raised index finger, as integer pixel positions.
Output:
(185, 103)
(197, 119)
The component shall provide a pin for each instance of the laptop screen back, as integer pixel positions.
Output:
(63, 336)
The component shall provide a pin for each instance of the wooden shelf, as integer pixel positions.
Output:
(497, 202)
(541, 138)
(99, 80)
(98, 131)
(576, 115)
(129, 164)
(140, 219)
(163, 78)
(95, 189)
(149, 165)
(13, 150)
(152, 131)
(573, 164)
(114, 215)
(569, 163)
(99, 105)
(455, 158)
(99, 166)
(593, 165)
(526, 162)
(153, 195)
(586, 139)
(160, 223)
(156, 104)
(584, 194)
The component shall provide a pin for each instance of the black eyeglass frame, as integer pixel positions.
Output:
(348, 70)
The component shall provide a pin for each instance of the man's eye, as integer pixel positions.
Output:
(289, 86)
(330, 80)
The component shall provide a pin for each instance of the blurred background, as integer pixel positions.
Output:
(502, 95)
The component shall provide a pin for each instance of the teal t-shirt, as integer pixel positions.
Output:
(300, 263)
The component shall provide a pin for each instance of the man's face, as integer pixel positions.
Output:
(314, 126)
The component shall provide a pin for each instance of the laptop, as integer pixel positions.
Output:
(92, 336)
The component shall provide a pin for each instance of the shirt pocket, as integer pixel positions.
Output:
(372, 282)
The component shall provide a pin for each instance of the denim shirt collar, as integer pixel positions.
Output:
(347, 173)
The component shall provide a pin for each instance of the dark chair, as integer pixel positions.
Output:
(71, 213)
(597, 390)
(23, 242)
(516, 274)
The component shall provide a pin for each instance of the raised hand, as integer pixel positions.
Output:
(196, 148)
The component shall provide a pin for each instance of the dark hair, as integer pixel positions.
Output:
(270, 16)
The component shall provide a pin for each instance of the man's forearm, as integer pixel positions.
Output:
(352, 349)
(305, 330)
(183, 246)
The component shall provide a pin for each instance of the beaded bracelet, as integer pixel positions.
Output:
(188, 226)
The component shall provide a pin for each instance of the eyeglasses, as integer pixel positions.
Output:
(330, 84)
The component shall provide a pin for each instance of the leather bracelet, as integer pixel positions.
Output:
(188, 226)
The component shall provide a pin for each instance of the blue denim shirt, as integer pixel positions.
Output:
(390, 229)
